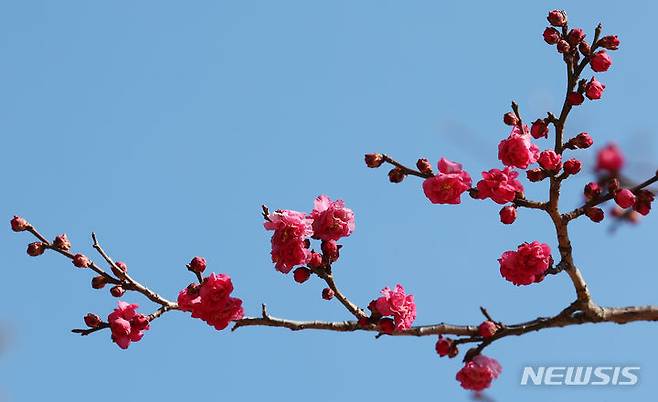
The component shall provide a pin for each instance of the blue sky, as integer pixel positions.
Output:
(163, 126)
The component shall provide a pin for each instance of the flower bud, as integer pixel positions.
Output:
(301, 274)
(81, 261)
(98, 282)
(575, 36)
(139, 322)
(443, 346)
(508, 215)
(62, 242)
(327, 294)
(487, 329)
(539, 129)
(572, 166)
(117, 291)
(386, 326)
(119, 269)
(583, 141)
(610, 42)
(454, 351)
(330, 250)
(600, 61)
(595, 214)
(19, 224)
(198, 265)
(584, 48)
(35, 249)
(551, 36)
(643, 201)
(557, 18)
(510, 119)
(315, 261)
(575, 98)
(625, 198)
(550, 160)
(396, 175)
(563, 46)
(594, 89)
(424, 166)
(536, 175)
(374, 160)
(92, 320)
(592, 191)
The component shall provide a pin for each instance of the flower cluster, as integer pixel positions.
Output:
(329, 221)
(289, 246)
(211, 301)
(126, 324)
(527, 264)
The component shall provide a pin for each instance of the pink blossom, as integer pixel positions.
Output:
(211, 301)
(127, 324)
(517, 150)
(499, 185)
(527, 264)
(399, 305)
(477, 374)
(331, 220)
(291, 228)
(610, 158)
(448, 185)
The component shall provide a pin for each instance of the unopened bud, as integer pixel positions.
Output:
(374, 160)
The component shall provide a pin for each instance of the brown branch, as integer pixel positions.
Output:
(406, 170)
(89, 331)
(93, 266)
(600, 200)
(326, 275)
(132, 283)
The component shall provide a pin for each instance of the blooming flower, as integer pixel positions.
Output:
(397, 304)
(499, 185)
(478, 373)
(211, 301)
(448, 185)
(331, 220)
(517, 150)
(291, 228)
(527, 264)
(126, 324)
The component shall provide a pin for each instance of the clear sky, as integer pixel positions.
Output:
(163, 126)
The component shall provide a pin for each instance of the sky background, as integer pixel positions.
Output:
(163, 126)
